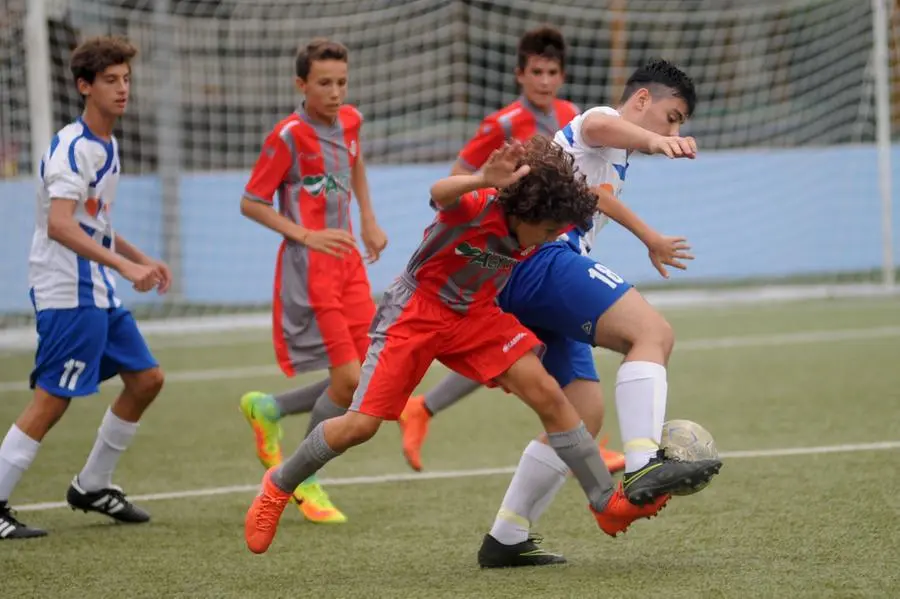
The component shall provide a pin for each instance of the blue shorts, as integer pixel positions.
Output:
(560, 294)
(80, 347)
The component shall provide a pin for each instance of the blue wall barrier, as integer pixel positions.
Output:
(760, 213)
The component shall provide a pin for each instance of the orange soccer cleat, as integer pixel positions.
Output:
(414, 428)
(261, 522)
(619, 513)
(614, 460)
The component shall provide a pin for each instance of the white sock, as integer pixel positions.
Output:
(539, 471)
(641, 389)
(16, 454)
(113, 437)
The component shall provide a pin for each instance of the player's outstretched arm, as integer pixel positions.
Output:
(663, 250)
(609, 131)
(65, 230)
(501, 169)
(373, 237)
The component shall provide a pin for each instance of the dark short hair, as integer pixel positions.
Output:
(95, 55)
(544, 41)
(552, 191)
(658, 74)
(318, 49)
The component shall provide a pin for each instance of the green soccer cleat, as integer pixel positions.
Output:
(262, 415)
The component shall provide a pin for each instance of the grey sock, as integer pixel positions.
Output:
(450, 390)
(302, 400)
(579, 451)
(323, 410)
(309, 458)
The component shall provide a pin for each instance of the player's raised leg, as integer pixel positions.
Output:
(575, 447)
(634, 328)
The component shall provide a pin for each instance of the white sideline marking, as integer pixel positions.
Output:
(184, 329)
(187, 376)
(452, 474)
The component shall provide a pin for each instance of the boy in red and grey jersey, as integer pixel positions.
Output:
(322, 304)
(540, 73)
(443, 307)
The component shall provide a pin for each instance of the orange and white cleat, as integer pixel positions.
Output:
(413, 423)
(261, 522)
(619, 513)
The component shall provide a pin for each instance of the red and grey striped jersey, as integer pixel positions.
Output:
(521, 121)
(308, 164)
(467, 254)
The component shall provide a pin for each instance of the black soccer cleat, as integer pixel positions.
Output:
(11, 528)
(109, 502)
(494, 554)
(662, 475)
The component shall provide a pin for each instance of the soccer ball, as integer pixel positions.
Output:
(689, 442)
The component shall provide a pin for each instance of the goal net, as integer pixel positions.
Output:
(785, 188)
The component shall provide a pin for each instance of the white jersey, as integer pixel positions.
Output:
(82, 167)
(601, 166)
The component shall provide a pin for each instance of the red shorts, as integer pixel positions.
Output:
(411, 330)
(322, 309)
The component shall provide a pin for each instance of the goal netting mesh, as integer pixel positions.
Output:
(785, 188)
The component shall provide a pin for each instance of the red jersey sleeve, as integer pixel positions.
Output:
(488, 138)
(467, 208)
(270, 169)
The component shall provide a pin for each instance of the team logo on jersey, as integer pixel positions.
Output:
(352, 148)
(318, 184)
(586, 327)
(485, 258)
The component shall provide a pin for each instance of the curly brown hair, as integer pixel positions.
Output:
(96, 54)
(552, 191)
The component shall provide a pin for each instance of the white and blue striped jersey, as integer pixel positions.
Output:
(82, 167)
(601, 166)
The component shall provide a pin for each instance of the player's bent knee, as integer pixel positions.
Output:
(359, 428)
(41, 414)
(546, 397)
(666, 335)
(593, 419)
(146, 384)
(344, 381)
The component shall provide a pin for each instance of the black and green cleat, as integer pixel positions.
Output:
(662, 476)
(494, 554)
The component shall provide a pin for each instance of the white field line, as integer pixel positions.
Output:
(189, 376)
(455, 474)
(186, 331)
